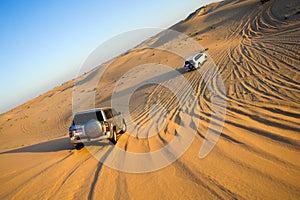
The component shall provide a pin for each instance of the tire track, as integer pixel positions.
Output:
(14, 192)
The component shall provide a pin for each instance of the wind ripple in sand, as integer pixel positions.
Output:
(257, 155)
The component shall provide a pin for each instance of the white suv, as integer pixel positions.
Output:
(195, 61)
(96, 124)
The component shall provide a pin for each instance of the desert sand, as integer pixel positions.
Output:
(255, 48)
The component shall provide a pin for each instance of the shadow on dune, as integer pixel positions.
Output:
(59, 144)
(55, 145)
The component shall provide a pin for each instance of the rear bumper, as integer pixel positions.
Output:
(190, 67)
(76, 139)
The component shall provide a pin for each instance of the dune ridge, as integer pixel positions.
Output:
(255, 48)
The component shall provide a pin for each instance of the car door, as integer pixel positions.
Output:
(112, 118)
(198, 60)
(117, 118)
(201, 59)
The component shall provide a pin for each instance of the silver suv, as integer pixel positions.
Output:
(95, 125)
(195, 61)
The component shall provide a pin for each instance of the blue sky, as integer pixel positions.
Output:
(45, 42)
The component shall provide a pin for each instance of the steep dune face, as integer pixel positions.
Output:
(43, 118)
(259, 60)
(256, 50)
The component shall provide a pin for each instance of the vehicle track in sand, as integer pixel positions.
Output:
(257, 154)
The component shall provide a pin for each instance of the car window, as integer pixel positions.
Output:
(114, 112)
(99, 116)
(198, 56)
(80, 119)
(108, 113)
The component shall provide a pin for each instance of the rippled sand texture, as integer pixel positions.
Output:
(255, 48)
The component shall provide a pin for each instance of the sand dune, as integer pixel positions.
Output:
(255, 49)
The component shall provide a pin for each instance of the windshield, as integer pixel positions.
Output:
(198, 56)
(83, 118)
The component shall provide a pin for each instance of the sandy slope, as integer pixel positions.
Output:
(256, 50)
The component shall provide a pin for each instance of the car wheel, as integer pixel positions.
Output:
(124, 127)
(114, 138)
(78, 146)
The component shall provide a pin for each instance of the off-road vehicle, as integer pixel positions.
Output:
(195, 61)
(95, 125)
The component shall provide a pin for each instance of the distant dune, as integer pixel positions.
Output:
(256, 49)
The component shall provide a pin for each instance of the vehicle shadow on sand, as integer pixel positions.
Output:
(54, 145)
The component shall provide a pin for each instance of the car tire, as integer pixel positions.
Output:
(114, 138)
(78, 146)
(124, 127)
